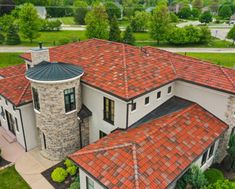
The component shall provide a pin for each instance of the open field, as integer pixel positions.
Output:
(10, 179)
(10, 59)
(225, 59)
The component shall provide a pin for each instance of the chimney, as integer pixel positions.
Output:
(38, 55)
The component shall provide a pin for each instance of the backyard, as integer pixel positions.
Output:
(10, 59)
(10, 179)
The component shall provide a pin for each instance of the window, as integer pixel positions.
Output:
(133, 106)
(159, 94)
(2, 113)
(69, 99)
(16, 124)
(89, 183)
(36, 99)
(44, 141)
(146, 100)
(102, 134)
(6, 102)
(169, 90)
(109, 110)
(211, 152)
(204, 157)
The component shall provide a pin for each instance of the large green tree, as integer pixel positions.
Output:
(206, 17)
(231, 34)
(140, 21)
(97, 23)
(13, 37)
(29, 22)
(128, 37)
(159, 23)
(112, 10)
(225, 11)
(185, 12)
(80, 11)
(115, 32)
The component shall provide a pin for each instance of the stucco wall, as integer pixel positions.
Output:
(213, 101)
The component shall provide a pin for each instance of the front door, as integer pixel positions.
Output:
(10, 122)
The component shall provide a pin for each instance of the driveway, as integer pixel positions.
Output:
(30, 166)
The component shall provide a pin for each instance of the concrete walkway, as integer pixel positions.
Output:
(30, 166)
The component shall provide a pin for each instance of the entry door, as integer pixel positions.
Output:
(10, 123)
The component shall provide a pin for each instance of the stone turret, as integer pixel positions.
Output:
(56, 92)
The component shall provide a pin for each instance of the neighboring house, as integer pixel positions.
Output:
(232, 19)
(147, 114)
(42, 12)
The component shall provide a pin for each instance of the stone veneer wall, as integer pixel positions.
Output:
(61, 129)
(39, 55)
(230, 120)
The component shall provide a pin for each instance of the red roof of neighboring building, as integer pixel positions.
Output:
(12, 70)
(153, 154)
(128, 71)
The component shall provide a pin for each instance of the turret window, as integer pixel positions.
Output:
(36, 99)
(69, 99)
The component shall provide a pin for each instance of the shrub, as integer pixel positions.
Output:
(50, 25)
(75, 184)
(221, 184)
(64, 41)
(13, 37)
(68, 163)
(212, 175)
(59, 174)
(2, 38)
(72, 170)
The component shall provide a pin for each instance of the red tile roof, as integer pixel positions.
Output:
(127, 71)
(14, 86)
(16, 89)
(153, 154)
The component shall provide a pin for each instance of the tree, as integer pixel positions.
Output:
(177, 36)
(139, 22)
(231, 144)
(193, 34)
(195, 13)
(231, 34)
(173, 18)
(225, 12)
(115, 32)
(205, 34)
(206, 17)
(221, 184)
(159, 23)
(198, 4)
(128, 37)
(97, 23)
(112, 10)
(5, 22)
(13, 37)
(193, 178)
(2, 38)
(80, 11)
(185, 12)
(29, 22)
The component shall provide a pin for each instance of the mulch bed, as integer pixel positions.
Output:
(3, 162)
(63, 185)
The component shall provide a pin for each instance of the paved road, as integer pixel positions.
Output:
(206, 50)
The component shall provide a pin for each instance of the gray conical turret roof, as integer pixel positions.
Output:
(58, 71)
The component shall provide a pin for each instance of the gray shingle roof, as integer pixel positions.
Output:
(58, 71)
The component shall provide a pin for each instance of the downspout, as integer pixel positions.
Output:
(80, 132)
(127, 113)
(21, 119)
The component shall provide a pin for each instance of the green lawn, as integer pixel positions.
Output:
(67, 20)
(10, 59)
(10, 179)
(225, 59)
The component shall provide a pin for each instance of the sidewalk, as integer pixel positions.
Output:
(30, 166)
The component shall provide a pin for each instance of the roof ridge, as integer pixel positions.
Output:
(103, 149)
(228, 77)
(136, 173)
(24, 91)
(125, 70)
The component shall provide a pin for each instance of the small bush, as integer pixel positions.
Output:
(68, 163)
(2, 38)
(72, 170)
(64, 41)
(59, 174)
(212, 175)
(75, 184)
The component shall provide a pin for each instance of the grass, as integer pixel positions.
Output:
(10, 59)
(67, 20)
(225, 59)
(10, 179)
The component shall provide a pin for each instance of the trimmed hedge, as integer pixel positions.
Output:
(213, 175)
(59, 174)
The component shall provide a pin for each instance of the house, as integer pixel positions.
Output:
(140, 116)
(42, 12)
(232, 19)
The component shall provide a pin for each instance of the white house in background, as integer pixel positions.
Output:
(140, 116)
(42, 12)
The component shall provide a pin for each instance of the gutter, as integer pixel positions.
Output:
(25, 144)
